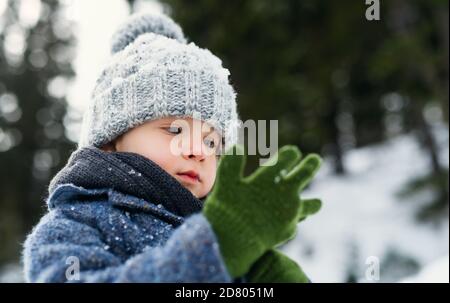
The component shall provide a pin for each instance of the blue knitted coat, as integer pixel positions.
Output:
(119, 217)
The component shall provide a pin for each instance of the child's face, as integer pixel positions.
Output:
(178, 146)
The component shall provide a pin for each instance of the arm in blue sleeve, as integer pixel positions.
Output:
(191, 254)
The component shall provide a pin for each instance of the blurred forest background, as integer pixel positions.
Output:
(335, 81)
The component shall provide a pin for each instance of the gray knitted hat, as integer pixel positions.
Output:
(154, 73)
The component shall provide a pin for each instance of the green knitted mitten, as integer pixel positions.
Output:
(253, 214)
(274, 266)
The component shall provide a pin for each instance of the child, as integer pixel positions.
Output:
(129, 206)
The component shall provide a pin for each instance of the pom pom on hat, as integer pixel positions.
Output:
(145, 23)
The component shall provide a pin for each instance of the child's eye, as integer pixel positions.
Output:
(210, 143)
(175, 130)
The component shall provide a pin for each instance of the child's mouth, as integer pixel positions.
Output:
(190, 176)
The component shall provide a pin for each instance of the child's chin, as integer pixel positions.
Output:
(197, 195)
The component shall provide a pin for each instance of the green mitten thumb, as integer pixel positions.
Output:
(308, 207)
(275, 267)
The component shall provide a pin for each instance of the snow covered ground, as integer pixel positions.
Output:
(362, 222)
(435, 272)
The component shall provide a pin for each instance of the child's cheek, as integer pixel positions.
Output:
(211, 179)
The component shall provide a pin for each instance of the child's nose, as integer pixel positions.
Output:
(200, 157)
(194, 150)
